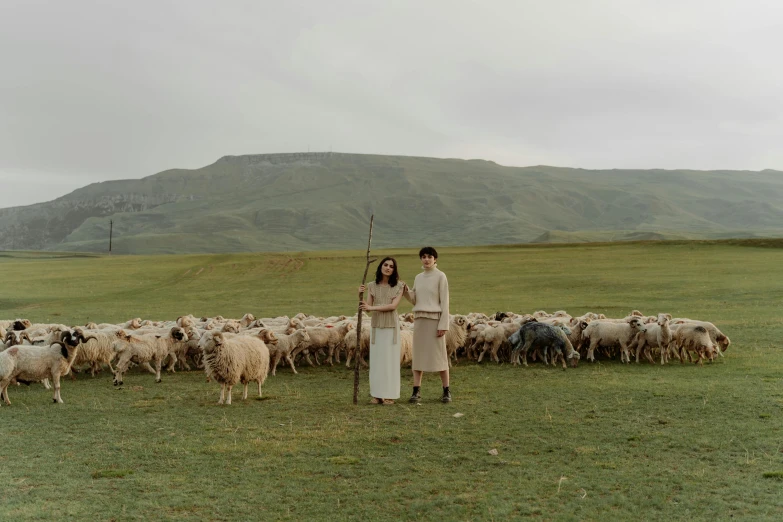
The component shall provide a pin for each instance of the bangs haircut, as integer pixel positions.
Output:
(428, 251)
(379, 274)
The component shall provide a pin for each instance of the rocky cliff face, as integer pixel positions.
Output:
(45, 225)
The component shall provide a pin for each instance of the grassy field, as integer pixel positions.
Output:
(599, 442)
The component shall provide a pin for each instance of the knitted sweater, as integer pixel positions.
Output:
(384, 295)
(430, 296)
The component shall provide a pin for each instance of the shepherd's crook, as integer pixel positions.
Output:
(359, 322)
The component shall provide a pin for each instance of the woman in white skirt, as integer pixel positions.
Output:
(383, 296)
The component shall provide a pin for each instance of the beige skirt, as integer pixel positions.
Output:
(429, 350)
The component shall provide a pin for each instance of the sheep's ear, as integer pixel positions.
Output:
(218, 338)
(668, 316)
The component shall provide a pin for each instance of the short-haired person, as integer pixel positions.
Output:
(430, 298)
(383, 296)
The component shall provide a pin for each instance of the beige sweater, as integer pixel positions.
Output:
(430, 296)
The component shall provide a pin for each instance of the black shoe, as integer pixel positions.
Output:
(446, 396)
(416, 397)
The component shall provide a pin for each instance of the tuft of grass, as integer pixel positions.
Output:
(778, 475)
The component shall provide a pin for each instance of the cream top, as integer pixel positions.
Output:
(430, 296)
(384, 295)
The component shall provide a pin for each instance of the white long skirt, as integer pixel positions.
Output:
(385, 364)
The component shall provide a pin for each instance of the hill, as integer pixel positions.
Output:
(314, 201)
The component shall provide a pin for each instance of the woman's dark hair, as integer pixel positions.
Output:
(392, 278)
(428, 251)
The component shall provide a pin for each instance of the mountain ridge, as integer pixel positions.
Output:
(312, 201)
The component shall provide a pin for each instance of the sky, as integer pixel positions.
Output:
(95, 90)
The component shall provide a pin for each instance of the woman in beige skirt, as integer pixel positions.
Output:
(383, 296)
(430, 298)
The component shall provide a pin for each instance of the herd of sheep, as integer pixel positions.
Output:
(233, 351)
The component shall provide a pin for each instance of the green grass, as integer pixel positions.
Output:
(599, 442)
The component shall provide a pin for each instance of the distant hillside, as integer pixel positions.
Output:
(311, 201)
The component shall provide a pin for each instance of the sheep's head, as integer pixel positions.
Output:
(80, 336)
(574, 357)
(122, 335)
(723, 341)
(663, 319)
(91, 326)
(17, 337)
(247, 319)
(268, 336)
(178, 334)
(636, 323)
(134, 323)
(22, 324)
(210, 340)
(231, 326)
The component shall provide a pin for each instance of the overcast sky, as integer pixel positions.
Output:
(97, 90)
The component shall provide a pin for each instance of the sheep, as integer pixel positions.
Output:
(456, 336)
(183, 321)
(144, 349)
(351, 344)
(494, 338)
(230, 360)
(656, 335)
(133, 324)
(36, 363)
(21, 324)
(608, 334)
(16, 337)
(534, 334)
(406, 346)
(577, 326)
(231, 326)
(336, 342)
(320, 339)
(54, 335)
(285, 346)
(719, 340)
(96, 350)
(696, 338)
(246, 320)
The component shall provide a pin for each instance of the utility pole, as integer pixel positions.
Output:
(111, 226)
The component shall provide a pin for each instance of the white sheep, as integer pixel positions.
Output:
(456, 336)
(144, 349)
(656, 335)
(97, 349)
(285, 346)
(693, 337)
(233, 359)
(719, 340)
(36, 363)
(609, 334)
(496, 337)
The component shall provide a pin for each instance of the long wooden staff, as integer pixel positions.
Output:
(359, 322)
